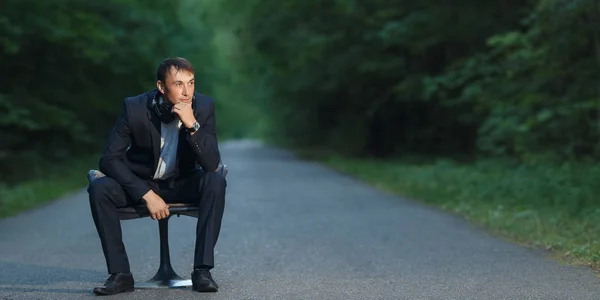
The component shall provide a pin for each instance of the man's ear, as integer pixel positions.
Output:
(160, 87)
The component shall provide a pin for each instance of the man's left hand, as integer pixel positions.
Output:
(185, 113)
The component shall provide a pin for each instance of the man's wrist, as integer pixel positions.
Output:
(189, 124)
(149, 196)
(195, 126)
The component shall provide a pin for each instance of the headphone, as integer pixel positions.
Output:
(163, 110)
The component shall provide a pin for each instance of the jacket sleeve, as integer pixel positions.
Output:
(204, 143)
(112, 162)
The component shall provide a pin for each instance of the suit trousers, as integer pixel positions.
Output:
(207, 189)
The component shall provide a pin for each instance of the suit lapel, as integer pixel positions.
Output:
(155, 136)
(155, 129)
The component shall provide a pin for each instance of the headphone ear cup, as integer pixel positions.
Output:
(163, 110)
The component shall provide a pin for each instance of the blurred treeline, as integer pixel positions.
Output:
(67, 64)
(499, 77)
(476, 78)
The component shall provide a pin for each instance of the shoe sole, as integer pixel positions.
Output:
(127, 290)
(205, 289)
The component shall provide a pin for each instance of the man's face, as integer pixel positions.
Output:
(178, 86)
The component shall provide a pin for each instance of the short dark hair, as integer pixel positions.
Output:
(178, 63)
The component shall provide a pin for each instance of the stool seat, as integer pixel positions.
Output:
(141, 211)
(165, 276)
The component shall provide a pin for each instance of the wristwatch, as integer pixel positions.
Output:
(194, 128)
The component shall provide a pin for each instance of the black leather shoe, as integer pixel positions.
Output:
(115, 284)
(202, 281)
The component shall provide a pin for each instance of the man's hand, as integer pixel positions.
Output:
(185, 113)
(156, 206)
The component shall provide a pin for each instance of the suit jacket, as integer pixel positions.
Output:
(133, 148)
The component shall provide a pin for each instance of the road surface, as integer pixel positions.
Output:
(292, 230)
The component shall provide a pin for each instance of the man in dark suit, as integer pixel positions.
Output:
(163, 148)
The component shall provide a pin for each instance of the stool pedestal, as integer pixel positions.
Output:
(165, 277)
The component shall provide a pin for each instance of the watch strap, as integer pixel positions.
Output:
(194, 128)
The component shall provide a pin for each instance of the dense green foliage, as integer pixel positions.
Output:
(381, 78)
(494, 77)
(68, 64)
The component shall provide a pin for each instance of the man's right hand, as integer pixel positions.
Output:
(156, 206)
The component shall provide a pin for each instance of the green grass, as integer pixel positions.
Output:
(549, 207)
(59, 180)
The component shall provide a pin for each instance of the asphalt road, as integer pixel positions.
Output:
(292, 230)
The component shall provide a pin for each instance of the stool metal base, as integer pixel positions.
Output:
(165, 284)
(165, 277)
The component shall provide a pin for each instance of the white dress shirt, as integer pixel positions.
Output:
(169, 139)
